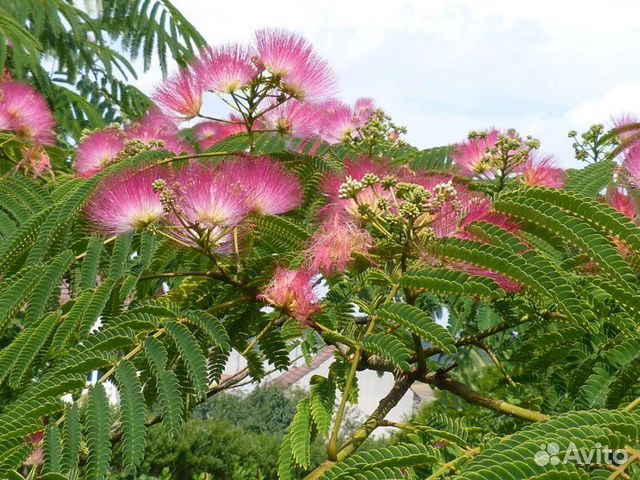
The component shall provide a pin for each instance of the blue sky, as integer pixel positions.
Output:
(444, 67)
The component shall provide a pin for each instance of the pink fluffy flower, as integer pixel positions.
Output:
(298, 119)
(206, 199)
(270, 189)
(631, 165)
(338, 122)
(225, 69)
(35, 160)
(503, 282)
(335, 243)
(291, 58)
(468, 155)
(97, 150)
(364, 108)
(621, 202)
(209, 133)
(181, 95)
(627, 127)
(126, 202)
(355, 169)
(542, 173)
(37, 455)
(292, 292)
(25, 111)
(156, 126)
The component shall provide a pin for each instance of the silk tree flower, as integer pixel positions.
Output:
(363, 109)
(291, 58)
(631, 165)
(295, 118)
(617, 199)
(356, 170)
(291, 291)
(225, 69)
(25, 111)
(471, 207)
(469, 155)
(126, 202)
(156, 126)
(206, 199)
(35, 160)
(542, 173)
(270, 189)
(338, 122)
(332, 248)
(97, 150)
(211, 132)
(181, 94)
(503, 282)
(627, 127)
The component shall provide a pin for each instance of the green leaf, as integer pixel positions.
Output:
(388, 347)
(191, 355)
(98, 433)
(133, 411)
(300, 434)
(420, 323)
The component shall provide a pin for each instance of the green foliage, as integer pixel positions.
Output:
(91, 87)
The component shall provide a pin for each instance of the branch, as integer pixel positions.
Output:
(401, 386)
(445, 382)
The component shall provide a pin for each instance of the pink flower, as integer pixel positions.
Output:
(225, 69)
(281, 52)
(181, 95)
(503, 282)
(364, 108)
(631, 165)
(627, 127)
(35, 160)
(126, 201)
(270, 189)
(209, 133)
(37, 455)
(298, 119)
(292, 292)
(332, 247)
(468, 155)
(339, 124)
(620, 201)
(97, 150)
(156, 126)
(355, 169)
(542, 173)
(25, 111)
(207, 200)
(290, 57)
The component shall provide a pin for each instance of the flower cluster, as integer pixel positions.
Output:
(291, 291)
(197, 206)
(102, 147)
(494, 155)
(25, 112)
(278, 83)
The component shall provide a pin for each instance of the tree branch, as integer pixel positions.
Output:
(445, 382)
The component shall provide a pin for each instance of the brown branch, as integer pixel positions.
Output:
(401, 386)
(445, 382)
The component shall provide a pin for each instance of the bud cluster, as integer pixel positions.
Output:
(167, 196)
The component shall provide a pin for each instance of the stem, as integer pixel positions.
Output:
(259, 336)
(445, 382)
(451, 465)
(106, 242)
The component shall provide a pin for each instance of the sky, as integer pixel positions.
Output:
(445, 67)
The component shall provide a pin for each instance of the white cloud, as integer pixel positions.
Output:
(442, 67)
